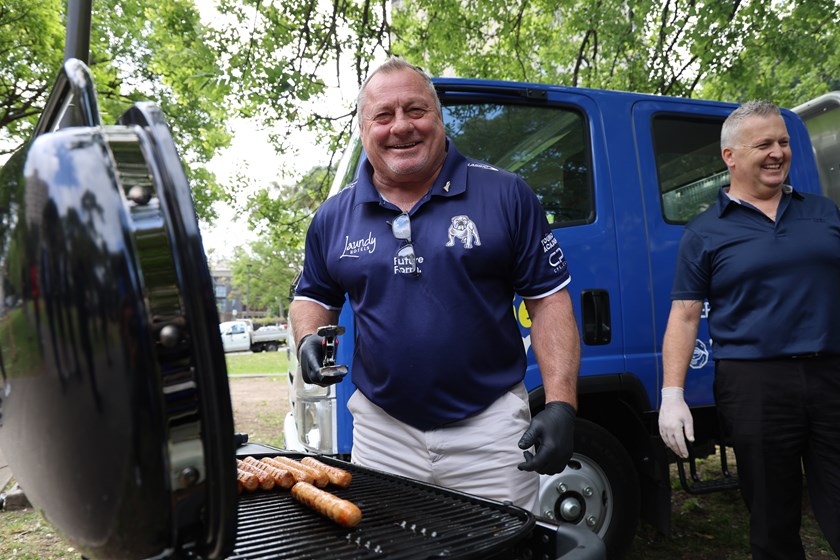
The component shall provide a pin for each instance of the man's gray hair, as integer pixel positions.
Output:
(392, 65)
(732, 124)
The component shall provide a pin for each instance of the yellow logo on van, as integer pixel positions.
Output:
(521, 314)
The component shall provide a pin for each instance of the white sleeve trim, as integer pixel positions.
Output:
(552, 291)
(322, 304)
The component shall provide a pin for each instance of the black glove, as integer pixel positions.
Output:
(552, 431)
(311, 358)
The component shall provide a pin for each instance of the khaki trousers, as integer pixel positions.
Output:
(477, 455)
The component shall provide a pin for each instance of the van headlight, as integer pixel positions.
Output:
(315, 421)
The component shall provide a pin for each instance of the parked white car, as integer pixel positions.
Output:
(238, 336)
(280, 330)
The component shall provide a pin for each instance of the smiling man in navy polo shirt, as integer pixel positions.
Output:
(768, 260)
(430, 246)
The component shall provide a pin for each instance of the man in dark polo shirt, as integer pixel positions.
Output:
(768, 259)
(429, 247)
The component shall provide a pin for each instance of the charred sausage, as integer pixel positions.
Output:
(297, 470)
(266, 481)
(319, 477)
(337, 476)
(249, 481)
(345, 513)
(282, 477)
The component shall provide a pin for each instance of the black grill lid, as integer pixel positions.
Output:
(115, 414)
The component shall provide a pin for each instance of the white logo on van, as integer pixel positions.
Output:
(700, 357)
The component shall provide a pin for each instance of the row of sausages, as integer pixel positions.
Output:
(305, 478)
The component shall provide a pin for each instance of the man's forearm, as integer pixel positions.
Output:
(307, 316)
(679, 341)
(556, 344)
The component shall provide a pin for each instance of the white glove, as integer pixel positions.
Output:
(675, 421)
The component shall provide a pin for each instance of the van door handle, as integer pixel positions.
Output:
(595, 308)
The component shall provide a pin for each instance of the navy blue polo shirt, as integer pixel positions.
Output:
(444, 344)
(773, 287)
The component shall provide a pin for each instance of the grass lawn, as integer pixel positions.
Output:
(246, 363)
(24, 535)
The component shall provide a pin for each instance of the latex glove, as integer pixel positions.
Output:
(552, 433)
(311, 358)
(675, 421)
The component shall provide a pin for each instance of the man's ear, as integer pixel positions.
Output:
(727, 155)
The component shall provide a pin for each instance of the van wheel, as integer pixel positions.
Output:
(599, 489)
(271, 347)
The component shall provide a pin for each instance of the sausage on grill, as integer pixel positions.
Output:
(297, 470)
(345, 513)
(266, 481)
(337, 476)
(282, 477)
(320, 477)
(249, 481)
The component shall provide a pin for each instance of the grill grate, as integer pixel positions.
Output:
(401, 519)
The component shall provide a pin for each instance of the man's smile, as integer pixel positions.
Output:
(403, 146)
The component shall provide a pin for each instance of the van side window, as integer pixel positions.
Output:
(689, 165)
(546, 146)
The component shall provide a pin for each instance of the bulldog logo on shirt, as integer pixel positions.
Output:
(464, 229)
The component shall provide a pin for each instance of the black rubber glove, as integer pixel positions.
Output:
(310, 352)
(311, 358)
(552, 432)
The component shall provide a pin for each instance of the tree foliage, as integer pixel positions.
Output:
(156, 51)
(280, 215)
(786, 50)
(278, 56)
(262, 275)
(31, 50)
(161, 51)
(273, 61)
(795, 58)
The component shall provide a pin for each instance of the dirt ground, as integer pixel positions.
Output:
(259, 406)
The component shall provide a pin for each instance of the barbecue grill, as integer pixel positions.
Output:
(404, 519)
(115, 412)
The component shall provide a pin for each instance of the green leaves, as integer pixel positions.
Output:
(140, 50)
(280, 215)
(790, 54)
(786, 51)
(31, 51)
(275, 62)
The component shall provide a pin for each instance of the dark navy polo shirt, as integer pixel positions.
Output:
(442, 345)
(773, 287)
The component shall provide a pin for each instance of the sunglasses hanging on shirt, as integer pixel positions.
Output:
(405, 261)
